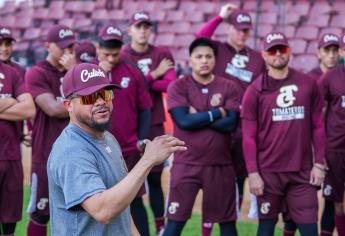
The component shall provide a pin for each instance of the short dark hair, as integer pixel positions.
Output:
(110, 44)
(202, 42)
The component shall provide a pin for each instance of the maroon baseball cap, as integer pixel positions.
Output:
(240, 19)
(6, 33)
(84, 51)
(110, 32)
(274, 39)
(140, 17)
(328, 39)
(62, 35)
(84, 79)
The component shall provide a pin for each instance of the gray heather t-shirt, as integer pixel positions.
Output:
(80, 166)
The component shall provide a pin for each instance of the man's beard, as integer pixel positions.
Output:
(280, 66)
(90, 122)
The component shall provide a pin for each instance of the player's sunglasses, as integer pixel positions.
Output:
(90, 99)
(274, 50)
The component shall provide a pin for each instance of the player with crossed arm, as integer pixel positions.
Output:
(7, 42)
(204, 108)
(239, 63)
(133, 100)
(43, 81)
(328, 53)
(282, 120)
(157, 64)
(16, 104)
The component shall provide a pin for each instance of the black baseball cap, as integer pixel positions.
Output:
(202, 42)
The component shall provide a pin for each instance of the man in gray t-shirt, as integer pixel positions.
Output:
(89, 187)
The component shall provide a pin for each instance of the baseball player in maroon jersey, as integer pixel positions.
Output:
(43, 81)
(239, 63)
(204, 109)
(16, 104)
(131, 118)
(6, 50)
(328, 53)
(157, 64)
(333, 87)
(85, 51)
(282, 121)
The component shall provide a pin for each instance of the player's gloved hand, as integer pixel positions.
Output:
(317, 174)
(67, 60)
(165, 65)
(226, 10)
(106, 66)
(256, 184)
(161, 148)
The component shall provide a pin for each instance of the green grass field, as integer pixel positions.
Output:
(192, 227)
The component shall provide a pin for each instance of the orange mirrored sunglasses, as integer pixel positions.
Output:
(90, 99)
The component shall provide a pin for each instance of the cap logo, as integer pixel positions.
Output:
(5, 31)
(329, 38)
(272, 37)
(242, 18)
(141, 16)
(85, 57)
(112, 30)
(65, 33)
(86, 75)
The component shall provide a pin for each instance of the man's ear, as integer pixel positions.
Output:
(68, 105)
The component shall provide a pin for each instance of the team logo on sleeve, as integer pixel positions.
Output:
(265, 208)
(237, 67)
(216, 99)
(343, 101)
(285, 101)
(173, 207)
(144, 65)
(125, 82)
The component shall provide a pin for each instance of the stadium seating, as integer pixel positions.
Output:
(177, 21)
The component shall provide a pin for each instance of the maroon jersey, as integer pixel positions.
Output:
(20, 70)
(242, 67)
(147, 62)
(316, 73)
(44, 78)
(283, 110)
(128, 101)
(333, 87)
(11, 86)
(204, 146)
